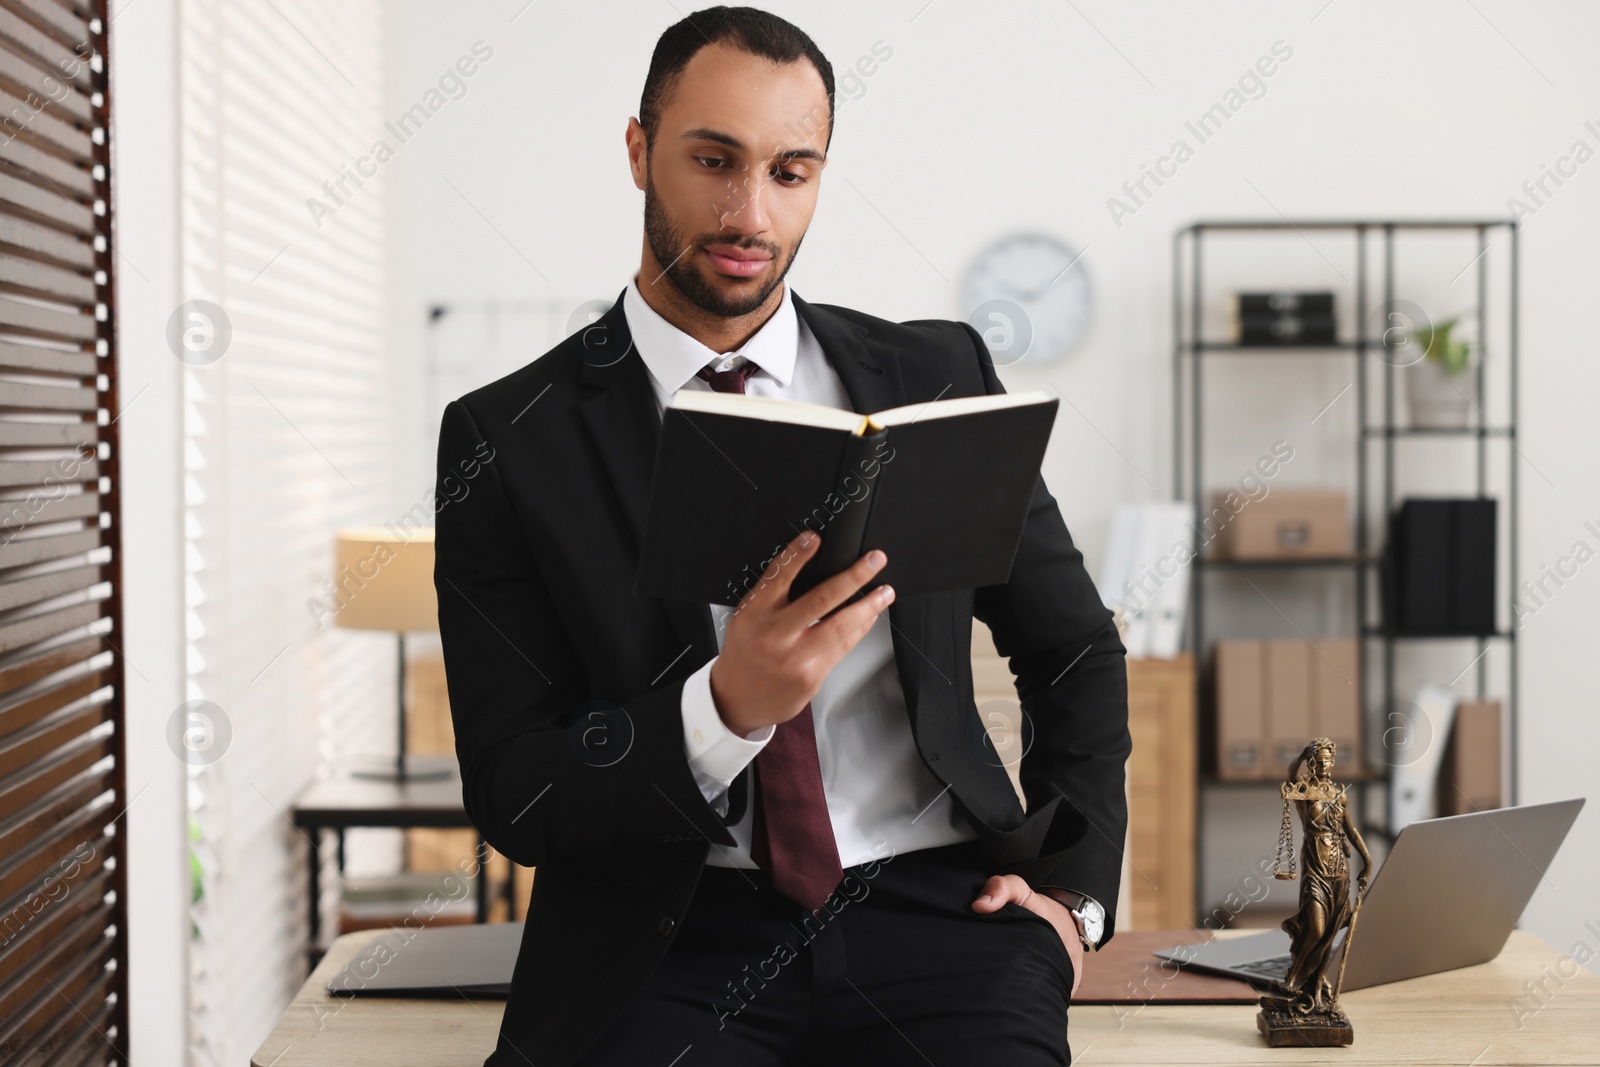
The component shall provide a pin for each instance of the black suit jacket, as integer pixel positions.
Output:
(565, 686)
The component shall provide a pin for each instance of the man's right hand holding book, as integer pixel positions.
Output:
(776, 653)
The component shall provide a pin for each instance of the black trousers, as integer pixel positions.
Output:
(895, 969)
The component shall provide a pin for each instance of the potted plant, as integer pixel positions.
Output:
(1439, 391)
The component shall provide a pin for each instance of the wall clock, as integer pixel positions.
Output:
(1030, 298)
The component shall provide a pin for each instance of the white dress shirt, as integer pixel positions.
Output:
(882, 799)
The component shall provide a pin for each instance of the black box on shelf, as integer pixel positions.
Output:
(1285, 330)
(1439, 568)
(1283, 319)
(1285, 302)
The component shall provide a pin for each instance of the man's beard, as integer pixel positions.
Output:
(670, 247)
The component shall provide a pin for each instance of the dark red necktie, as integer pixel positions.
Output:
(791, 834)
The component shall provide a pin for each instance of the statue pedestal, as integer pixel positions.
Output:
(1291, 1029)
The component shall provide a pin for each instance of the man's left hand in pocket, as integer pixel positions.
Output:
(1013, 888)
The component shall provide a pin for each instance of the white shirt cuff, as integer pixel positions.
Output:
(716, 754)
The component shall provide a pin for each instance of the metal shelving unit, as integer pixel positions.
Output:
(1378, 442)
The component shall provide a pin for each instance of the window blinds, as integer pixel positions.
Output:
(288, 434)
(62, 920)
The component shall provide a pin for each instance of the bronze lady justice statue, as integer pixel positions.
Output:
(1304, 1008)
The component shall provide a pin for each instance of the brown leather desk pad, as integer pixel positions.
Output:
(1125, 972)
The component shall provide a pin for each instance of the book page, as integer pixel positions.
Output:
(961, 405)
(823, 417)
(769, 408)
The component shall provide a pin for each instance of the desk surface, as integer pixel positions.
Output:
(348, 800)
(1465, 1017)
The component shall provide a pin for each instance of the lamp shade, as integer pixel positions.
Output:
(383, 579)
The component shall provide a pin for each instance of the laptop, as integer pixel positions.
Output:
(447, 961)
(1448, 896)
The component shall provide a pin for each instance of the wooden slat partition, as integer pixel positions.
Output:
(63, 923)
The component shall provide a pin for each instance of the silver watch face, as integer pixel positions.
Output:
(1094, 920)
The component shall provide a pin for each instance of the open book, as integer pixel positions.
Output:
(942, 487)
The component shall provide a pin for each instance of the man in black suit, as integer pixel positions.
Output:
(776, 834)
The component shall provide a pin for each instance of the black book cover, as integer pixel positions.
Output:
(942, 488)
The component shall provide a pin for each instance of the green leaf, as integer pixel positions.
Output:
(1437, 344)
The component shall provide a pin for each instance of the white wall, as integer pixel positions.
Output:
(145, 200)
(1006, 116)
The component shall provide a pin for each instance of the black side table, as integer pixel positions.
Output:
(345, 801)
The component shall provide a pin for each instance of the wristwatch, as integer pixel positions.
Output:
(1087, 910)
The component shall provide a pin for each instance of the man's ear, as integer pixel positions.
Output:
(638, 152)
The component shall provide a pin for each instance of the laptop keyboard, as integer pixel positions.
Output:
(1271, 969)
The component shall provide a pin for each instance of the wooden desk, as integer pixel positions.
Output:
(1458, 1018)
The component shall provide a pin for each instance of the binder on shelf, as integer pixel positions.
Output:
(1473, 554)
(1146, 576)
(1137, 592)
(1439, 568)
(1336, 700)
(1117, 570)
(1414, 741)
(1239, 714)
(1274, 696)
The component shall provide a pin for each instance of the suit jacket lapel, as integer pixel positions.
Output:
(623, 425)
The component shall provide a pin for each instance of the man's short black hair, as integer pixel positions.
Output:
(757, 32)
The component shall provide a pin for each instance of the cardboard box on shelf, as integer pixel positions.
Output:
(1287, 701)
(1469, 777)
(1239, 713)
(1285, 524)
